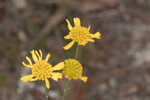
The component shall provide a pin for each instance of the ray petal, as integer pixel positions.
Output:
(83, 43)
(67, 36)
(41, 53)
(69, 24)
(34, 56)
(47, 57)
(56, 76)
(47, 83)
(38, 55)
(29, 66)
(91, 40)
(77, 21)
(29, 60)
(97, 35)
(84, 78)
(34, 79)
(59, 66)
(26, 78)
(69, 45)
(89, 28)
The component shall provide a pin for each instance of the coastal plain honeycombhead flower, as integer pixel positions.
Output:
(42, 69)
(79, 34)
(73, 70)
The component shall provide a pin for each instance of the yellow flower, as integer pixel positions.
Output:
(79, 34)
(42, 69)
(73, 70)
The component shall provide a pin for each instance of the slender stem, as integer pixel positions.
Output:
(46, 91)
(77, 52)
(65, 89)
(67, 82)
(46, 94)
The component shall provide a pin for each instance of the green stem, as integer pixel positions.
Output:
(46, 91)
(77, 52)
(67, 82)
(46, 94)
(65, 89)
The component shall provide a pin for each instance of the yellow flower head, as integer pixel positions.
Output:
(73, 70)
(79, 34)
(41, 68)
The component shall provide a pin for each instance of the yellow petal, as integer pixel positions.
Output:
(47, 57)
(83, 43)
(76, 21)
(47, 83)
(29, 66)
(67, 37)
(69, 25)
(91, 40)
(89, 28)
(38, 55)
(59, 66)
(97, 35)
(34, 56)
(67, 77)
(26, 78)
(56, 76)
(34, 79)
(84, 78)
(29, 60)
(69, 45)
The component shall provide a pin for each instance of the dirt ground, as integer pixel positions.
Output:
(117, 65)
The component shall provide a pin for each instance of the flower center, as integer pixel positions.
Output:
(42, 70)
(72, 69)
(79, 34)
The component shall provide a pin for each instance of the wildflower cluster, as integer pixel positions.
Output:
(43, 70)
(71, 69)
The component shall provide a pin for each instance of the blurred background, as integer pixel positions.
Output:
(118, 65)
